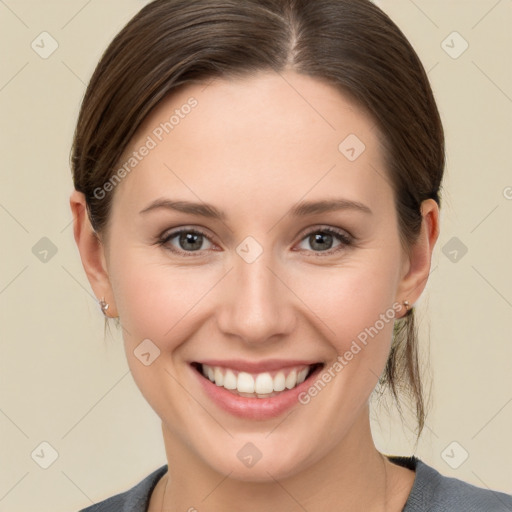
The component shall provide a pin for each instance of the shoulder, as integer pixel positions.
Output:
(434, 492)
(135, 499)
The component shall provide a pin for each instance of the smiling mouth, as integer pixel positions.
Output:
(257, 385)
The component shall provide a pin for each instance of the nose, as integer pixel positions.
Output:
(256, 304)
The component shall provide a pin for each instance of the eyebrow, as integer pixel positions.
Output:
(301, 209)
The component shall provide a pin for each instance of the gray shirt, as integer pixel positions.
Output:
(431, 492)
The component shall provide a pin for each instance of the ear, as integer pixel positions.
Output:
(416, 267)
(92, 252)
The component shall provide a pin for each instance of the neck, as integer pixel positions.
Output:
(353, 476)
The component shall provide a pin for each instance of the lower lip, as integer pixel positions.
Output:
(254, 408)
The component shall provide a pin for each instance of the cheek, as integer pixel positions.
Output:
(352, 297)
(160, 303)
(353, 309)
(361, 343)
(156, 300)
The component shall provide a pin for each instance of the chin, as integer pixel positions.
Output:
(261, 461)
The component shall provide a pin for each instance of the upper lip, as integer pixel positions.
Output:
(258, 367)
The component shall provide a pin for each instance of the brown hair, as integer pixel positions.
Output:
(351, 44)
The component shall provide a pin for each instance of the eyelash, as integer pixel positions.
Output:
(346, 241)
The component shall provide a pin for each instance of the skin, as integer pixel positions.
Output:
(254, 147)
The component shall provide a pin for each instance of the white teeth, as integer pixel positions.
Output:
(245, 383)
(261, 385)
(291, 380)
(279, 382)
(230, 380)
(264, 384)
(301, 376)
(219, 377)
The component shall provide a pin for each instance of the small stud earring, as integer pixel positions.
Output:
(407, 308)
(104, 306)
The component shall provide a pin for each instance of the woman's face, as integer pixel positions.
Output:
(268, 286)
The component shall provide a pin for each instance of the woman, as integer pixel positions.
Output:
(257, 202)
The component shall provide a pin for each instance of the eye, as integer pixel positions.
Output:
(188, 241)
(322, 240)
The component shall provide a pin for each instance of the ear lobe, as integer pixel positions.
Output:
(414, 281)
(91, 251)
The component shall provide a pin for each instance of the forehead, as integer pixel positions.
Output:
(264, 137)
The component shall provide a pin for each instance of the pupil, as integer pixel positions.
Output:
(190, 239)
(319, 239)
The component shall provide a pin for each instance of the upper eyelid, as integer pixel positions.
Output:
(169, 234)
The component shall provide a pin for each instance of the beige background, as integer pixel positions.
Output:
(63, 385)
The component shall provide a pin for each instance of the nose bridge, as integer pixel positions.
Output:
(258, 306)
